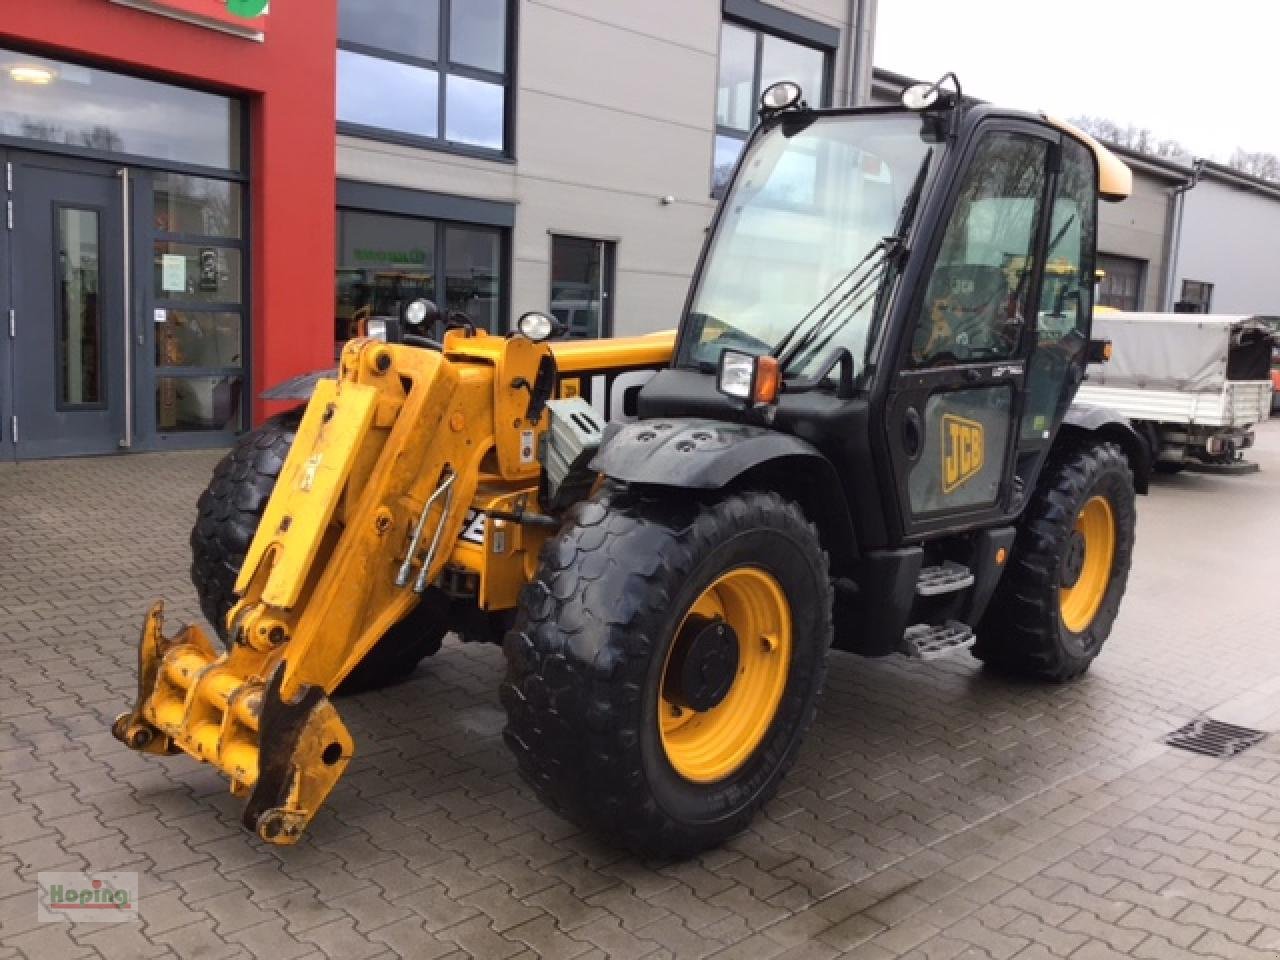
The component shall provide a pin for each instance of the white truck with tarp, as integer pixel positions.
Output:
(1194, 385)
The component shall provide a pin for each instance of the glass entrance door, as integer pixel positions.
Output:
(67, 340)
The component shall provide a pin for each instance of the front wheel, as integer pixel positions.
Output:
(1059, 597)
(665, 664)
(227, 519)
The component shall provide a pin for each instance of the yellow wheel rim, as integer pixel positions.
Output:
(706, 746)
(1096, 529)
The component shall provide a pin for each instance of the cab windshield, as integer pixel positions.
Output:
(806, 210)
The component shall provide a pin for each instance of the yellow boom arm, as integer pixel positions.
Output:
(372, 496)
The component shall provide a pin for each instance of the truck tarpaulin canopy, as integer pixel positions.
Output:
(1197, 353)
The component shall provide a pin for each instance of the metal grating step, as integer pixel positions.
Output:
(928, 642)
(1213, 738)
(948, 577)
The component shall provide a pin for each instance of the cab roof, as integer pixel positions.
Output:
(1115, 179)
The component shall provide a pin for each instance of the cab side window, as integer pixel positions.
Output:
(1066, 297)
(976, 301)
(1066, 294)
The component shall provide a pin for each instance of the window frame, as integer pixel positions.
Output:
(1140, 296)
(1039, 239)
(444, 69)
(442, 211)
(762, 20)
(61, 404)
(608, 274)
(1205, 288)
(155, 300)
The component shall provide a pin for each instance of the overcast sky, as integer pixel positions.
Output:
(1203, 72)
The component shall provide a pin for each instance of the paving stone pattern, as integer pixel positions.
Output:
(936, 812)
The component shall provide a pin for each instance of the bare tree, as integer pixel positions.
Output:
(1257, 164)
(1132, 137)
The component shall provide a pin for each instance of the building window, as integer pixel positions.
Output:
(85, 108)
(1121, 283)
(582, 286)
(426, 70)
(750, 60)
(198, 289)
(1197, 297)
(385, 261)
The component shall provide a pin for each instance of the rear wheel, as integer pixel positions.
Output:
(665, 664)
(1059, 597)
(229, 512)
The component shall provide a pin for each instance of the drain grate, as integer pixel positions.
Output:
(1213, 738)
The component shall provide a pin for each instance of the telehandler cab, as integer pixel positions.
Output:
(861, 436)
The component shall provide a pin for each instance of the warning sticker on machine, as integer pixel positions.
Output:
(526, 446)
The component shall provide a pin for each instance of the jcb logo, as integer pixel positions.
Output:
(962, 451)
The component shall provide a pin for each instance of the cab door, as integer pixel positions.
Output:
(955, 401)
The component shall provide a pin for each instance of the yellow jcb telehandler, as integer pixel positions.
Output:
(861, 436)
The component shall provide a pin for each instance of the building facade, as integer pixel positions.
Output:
(1225, 260)
(167, 191)
(177, 217)
(563, 153)
(1134, 237)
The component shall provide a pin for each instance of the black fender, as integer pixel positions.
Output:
(700, 454)
(300, 387)
(1083, 422)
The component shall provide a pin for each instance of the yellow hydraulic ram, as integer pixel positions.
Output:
(377, 484)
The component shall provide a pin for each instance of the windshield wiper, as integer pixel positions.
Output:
(795, 330)
(870, 286)
(836, 316)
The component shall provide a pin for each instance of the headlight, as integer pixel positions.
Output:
(376, 328)
(416, 312)
(736, 372)
(756, 380)
(536, 326)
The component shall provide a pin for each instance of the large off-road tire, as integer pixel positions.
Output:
(393, 658)
(666, 662)
(228, 514)
(1058, 599)
(230, 509)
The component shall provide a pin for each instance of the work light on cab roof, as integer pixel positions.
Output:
(923, 96)
(783, 95)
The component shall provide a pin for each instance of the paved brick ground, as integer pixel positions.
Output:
(936, 812)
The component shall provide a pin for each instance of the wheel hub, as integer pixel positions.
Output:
(1073, 560)
(704, 662)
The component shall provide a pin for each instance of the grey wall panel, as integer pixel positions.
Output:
(689, 23)
(420, 169)
(581, 60)
(577, 143)
(1137, 227)
(1229, 238)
